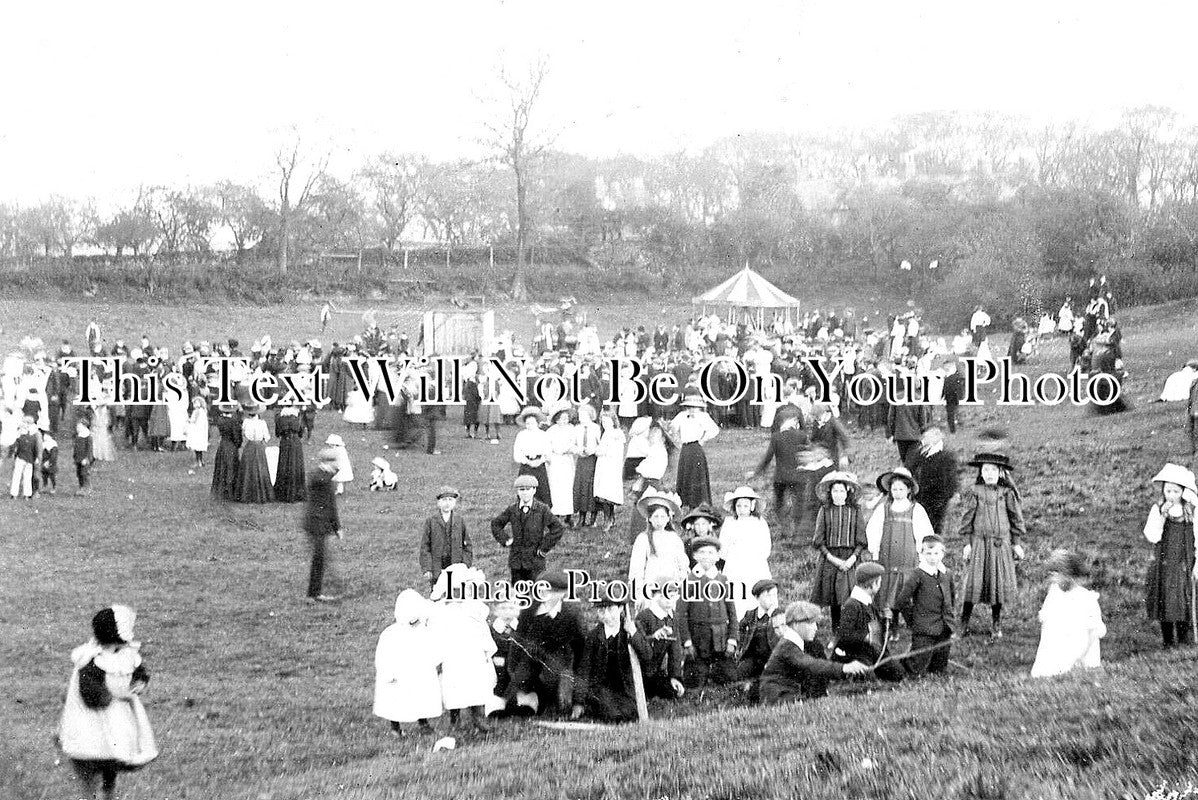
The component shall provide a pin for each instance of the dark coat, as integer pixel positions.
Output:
(533, 535)
(784, 450)
(545, 644)
(706, 625)
(906, 423)
(756, 641)
(442, 545)
(931, 601)
(604, 684)
(320, 516)
(938, 482)
(793, 674)
(832, 437)
(665, 657)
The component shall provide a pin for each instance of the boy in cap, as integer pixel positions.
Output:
(605, 686)
(927, 591)
(757, 637)
(321, 520)
(548, 643)
(81, 453)
(707, 627)
(663, 669)
(443, 538)
(858, 634)
(796, 669)
(534, 531)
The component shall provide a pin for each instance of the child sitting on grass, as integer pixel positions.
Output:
(1070, 620)
(382, 479)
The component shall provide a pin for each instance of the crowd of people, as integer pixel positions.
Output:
(894, 607)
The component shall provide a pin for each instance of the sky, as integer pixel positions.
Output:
(99, 99)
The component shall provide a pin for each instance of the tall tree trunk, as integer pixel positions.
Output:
(284, 237)
(519, 291)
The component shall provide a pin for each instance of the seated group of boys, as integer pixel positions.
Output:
(548, 659)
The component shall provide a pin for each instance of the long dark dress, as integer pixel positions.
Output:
(694, 480)
(225, 466)
(897, 552)
(839, 531)
(253, 475)
(290, 477)
(1168, 594)
(473, 400)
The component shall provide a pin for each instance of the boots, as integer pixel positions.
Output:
(480, 719)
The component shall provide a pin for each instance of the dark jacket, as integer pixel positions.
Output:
(906, 423)
(541, 642)
(832, 437)
(604, 683)
(954, 389)
(853, 634)
(665, 657)
(938, 482)
(931, 601)
(756, 639)
(707, 625)
(532, 534)
(320, 516)
(784, 450)
(441, 546)
(81, 451)
(793, 674)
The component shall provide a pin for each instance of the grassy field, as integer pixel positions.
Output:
(258, 695)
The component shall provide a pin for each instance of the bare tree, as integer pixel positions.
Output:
(395, 183)
(516, 148)
(297, 172)
(243, 211)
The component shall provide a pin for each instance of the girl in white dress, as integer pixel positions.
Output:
(563, 447)
(658, 551)
(745, 546)
(459, 624)
(609, 468)
(102, 447)
(178, 406)
(197, 430)
(345, 470)
(1071, 625)
(358, 408)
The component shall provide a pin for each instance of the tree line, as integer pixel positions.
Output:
(948, 203)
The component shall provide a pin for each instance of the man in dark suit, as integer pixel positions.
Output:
(534, 531)
(928, 591)
(444, 540)
(321, 520)
(794, 672)
(785, 447)
(936, 471)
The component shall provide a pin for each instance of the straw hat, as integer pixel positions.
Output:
(531, 411)
(694, 401)
(334, 441)
(655, 498)
(887, 478)
(743, 492)
(823, 489)
(1179, 475)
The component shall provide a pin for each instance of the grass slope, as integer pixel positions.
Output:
(258, 695)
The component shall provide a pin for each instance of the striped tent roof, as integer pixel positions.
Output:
(747, 288)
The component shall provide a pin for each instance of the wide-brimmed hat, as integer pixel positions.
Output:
(1176, 474)
(380, 462)
(569, 412)
(887, 478)
(703, 511)
(448, 491)
(655, 498)
(694, 401)
(998, 459)
(742, 492)
(702, 541)
(531, 411)
(823, 489)
(334, 441)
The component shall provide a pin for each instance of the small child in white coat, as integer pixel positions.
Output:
(406, 686)
(459, 624)
(345, 470)
(382, 479)
(1071, 623)
(198, 430)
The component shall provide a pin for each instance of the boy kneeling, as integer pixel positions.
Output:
(605, 686)
(794, 671)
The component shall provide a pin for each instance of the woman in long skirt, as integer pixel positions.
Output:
(609, 469)
(103, 448)
(692, 429)
(560, 466)
(1172, 527)
(586, 445)
(472, 394)
(253, 475)
(159, 426)
(531, 450)
(177, 413)
(228, 460)
(358, 409)
(290, 477)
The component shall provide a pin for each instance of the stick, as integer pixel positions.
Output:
(1193, 609)
(638, 686)
(910, 653)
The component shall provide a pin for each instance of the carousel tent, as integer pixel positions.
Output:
(747, 297)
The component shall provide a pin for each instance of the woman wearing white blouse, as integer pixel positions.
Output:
(560, 465)
(691, 430)
(531, 449)
(609, 468)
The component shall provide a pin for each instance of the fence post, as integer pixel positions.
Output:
(405, 258)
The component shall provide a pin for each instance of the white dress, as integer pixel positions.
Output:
(176, 415)
(1071, 627)
(102, 447)
(358, 409)
(560, 468)
(406, 686)
(609, 467)
(745, 547)
(670, 561)
(345, 470)
(467, 674)
(197, 431)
